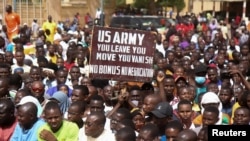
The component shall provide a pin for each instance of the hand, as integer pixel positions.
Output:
(49, 74)
(160, 76)
(123, 97)
(234, 71)
(47, 31)
(47, 135)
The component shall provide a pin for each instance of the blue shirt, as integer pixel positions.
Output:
(20, 134)
(54, 89)
(163, 138)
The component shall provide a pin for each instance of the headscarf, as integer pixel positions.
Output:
(63, 100)
(211, 97)
(32, 99)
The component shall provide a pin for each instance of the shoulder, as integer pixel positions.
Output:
(107, 134)
(41, 124)
(71, 125)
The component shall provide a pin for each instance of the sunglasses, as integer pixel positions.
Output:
(37, 89)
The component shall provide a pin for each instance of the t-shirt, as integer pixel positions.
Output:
(6, 133)
(105, 136)
(51, 26)
(27, 135)
(25, 68)
(67, 132)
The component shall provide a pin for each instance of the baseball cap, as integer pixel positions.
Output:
(32, 99)
(162, 110)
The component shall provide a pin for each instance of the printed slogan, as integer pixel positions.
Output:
(122, 54)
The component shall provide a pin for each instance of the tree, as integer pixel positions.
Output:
(120, 3)
(178, 4)
(150, 5)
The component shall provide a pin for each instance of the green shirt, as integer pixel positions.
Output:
(67, 132)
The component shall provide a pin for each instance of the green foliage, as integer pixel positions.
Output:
(180, 5)
(141, 3)
(120, 3)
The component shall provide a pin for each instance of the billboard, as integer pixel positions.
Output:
(122, 54)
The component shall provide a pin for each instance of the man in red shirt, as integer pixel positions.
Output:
(8, 120)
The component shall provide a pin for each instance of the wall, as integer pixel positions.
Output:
(53, 8)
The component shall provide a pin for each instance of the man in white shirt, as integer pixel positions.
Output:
(19, 56)
(94, 130)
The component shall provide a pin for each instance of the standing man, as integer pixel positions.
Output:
(34, 28)
(12, 21)
(49, 27)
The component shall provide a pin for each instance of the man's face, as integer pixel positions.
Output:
(135, 95)
(171, 133)
(108, 92)
(117, 117)
(54, 118)
(37, 90)
(50, 18)
(241, 117)
(148, 105)
(35, 74)
(9, 57)
(209, 118)
(212, 75)
(8, 9)
(4, 72)
(169, 86)
(92, 128)
(185, 112)
(5, 115)
(225, 96)
(77, 95)
(96, 106)
(74, 114)
(75, 73)
(61, 77)
(23, 117)
(59, 62)
(19, 57)
(86, 81)
(145, 135)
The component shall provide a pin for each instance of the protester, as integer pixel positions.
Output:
(49, 27)
(55, 127)
(12, 20)
(28, 123)
(8, 121)
(94, 129)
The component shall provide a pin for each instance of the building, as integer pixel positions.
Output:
(60, 10)
(225, 8)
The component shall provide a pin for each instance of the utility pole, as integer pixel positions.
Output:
(102, 14)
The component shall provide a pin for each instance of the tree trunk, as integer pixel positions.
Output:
(152, 8)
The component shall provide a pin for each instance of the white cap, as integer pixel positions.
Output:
(32, 99)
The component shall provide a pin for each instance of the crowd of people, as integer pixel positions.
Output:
(201, 78)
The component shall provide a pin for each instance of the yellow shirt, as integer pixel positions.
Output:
(67, 132)
(52, 28)
(52, 59)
